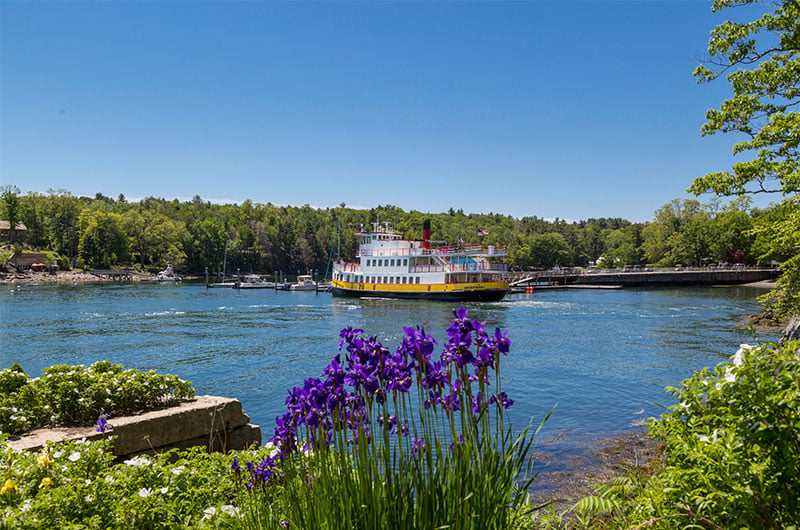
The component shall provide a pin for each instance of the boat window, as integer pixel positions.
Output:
(392, 264)
(417, 279)
(380, 263)
(405, 262)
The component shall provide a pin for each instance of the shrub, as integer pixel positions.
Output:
(68, 395)
(732, 451)
(733, 444)
(78, 485)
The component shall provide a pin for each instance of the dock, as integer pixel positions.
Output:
(666, 277)
(121, 275)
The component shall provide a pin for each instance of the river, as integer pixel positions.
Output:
(602, 356)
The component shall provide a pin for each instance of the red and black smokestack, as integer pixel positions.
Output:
(426, 234)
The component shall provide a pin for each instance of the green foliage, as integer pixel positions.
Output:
(103, 241)
(155, 239)
(102, 232)
(761, 61)
(733, 456)
(11, 208)
(66, 395)
(732, 452)
(78, 485)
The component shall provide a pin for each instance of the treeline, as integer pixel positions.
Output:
(103, 232)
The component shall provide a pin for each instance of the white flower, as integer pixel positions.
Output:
(274, 450)
(233, 511)
(730, 377)
(25, 506)
(703, 438)
(177, 470)
(137, 461)
(163, 490)
(89, 498)
(208, 513)
(144, 492)
(109, 479)
(738, 358)
(74, 456)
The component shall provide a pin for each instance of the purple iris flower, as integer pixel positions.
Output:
(458, 443)
(348, 334)
(102, 423)
(477, 404)
(417, 446)
(502, 400)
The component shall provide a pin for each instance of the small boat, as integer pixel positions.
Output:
(253, 281)
(220, 285)
(392, 267)
(168, 275)
(305, 282)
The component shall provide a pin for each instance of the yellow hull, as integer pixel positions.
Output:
(444, 291)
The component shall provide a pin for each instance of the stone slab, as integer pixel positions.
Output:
(150, 430)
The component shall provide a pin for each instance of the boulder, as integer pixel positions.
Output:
(791, 331)
(216, 422)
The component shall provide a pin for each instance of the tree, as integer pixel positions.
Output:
(761, 61)
(62, 212)
(10, 198)
(103, 241)
(549, 250)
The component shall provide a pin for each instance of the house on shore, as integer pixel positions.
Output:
(20, 231)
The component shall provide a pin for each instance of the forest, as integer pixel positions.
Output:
(102, 232)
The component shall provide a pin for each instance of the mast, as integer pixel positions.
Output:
(225, 260)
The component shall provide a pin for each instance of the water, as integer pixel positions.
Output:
(602, 356)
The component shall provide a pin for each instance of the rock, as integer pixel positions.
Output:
(212, 421)
(791, 331)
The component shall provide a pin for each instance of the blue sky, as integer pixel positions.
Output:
(554, 109)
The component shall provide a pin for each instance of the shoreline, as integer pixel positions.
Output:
(603, 458)
(65, 277)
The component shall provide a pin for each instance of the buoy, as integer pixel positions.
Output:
(529, 289)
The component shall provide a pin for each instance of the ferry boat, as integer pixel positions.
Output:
(392, 267)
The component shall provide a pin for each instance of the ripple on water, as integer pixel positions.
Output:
(597, 354)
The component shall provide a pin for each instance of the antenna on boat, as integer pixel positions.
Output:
(338, 239)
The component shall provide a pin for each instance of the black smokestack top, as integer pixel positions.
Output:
(426, 225)
(426, 233)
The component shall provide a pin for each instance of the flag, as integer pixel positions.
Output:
(460, 241)
(482, 232)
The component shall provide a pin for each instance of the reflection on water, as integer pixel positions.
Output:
(599, 355)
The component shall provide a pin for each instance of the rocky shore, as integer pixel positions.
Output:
(63, 277)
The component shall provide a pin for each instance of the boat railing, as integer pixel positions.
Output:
(437, 251)
(460, 267)
(481, 266)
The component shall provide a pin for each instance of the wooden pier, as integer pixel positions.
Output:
(122, 275)
(645, 278)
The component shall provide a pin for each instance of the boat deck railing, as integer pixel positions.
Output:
(460, 267)
(481, 266)
(445, 250)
